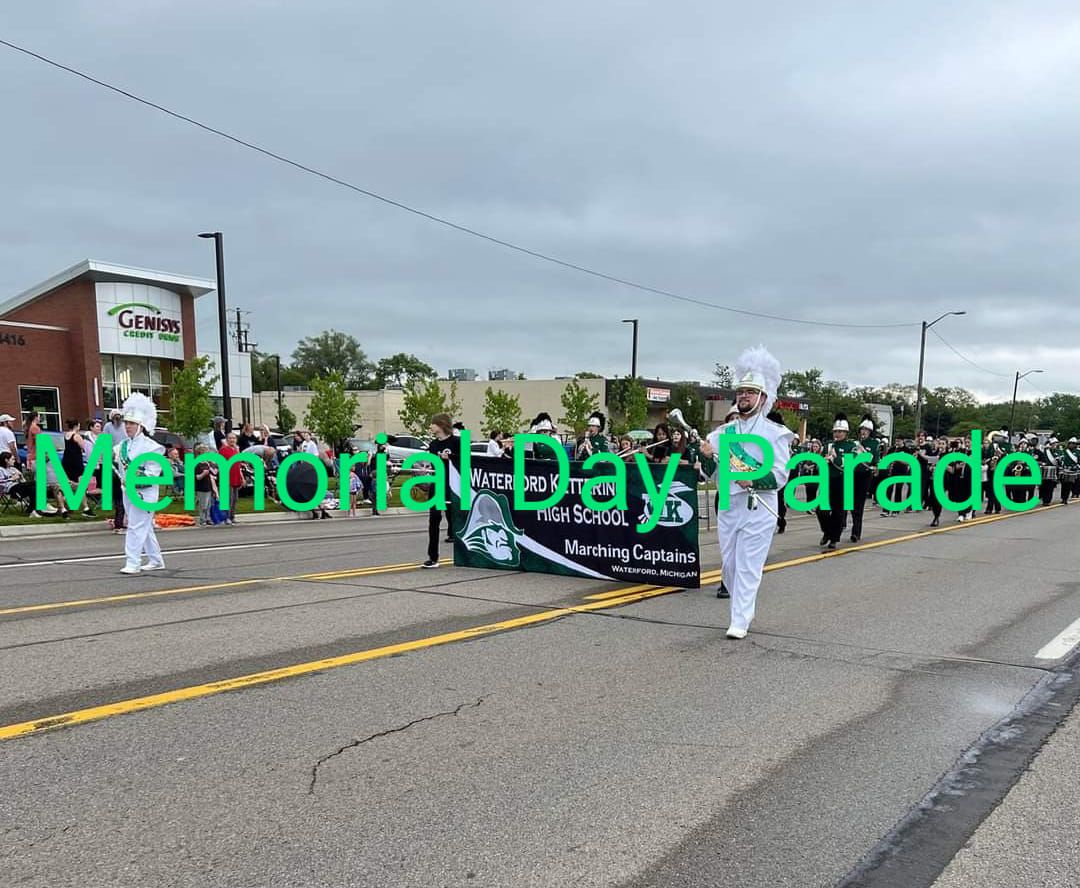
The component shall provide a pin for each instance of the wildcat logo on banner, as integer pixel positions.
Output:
(569, 537)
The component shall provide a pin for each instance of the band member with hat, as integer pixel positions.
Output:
(840, 449)
(745, 529)
(1070, 468)
(864, 473)
(1048, 463)
(993, 450)
(593, 441)
(140, 419)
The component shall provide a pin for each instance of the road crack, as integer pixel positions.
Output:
(352, 744)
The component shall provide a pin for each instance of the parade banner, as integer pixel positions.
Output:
(570, 537)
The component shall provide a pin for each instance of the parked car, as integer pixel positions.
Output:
(401, 446)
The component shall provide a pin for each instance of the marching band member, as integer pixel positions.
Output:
(543, 425)
(593, 441)
(1070, 466)
(140, 419)
(839, 449)
(1048, 460)
(992, 453)
(745, 531)
(864, 473)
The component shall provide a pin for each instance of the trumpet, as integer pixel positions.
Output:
(676, 417)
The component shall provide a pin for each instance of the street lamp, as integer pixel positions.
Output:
(1016, 384)
(277, 364)
(922, 361)
(633, 359)
(223, 328)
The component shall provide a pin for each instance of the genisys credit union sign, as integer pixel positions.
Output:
(141, 320)
(138, 319)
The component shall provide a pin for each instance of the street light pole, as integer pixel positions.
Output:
(223, 329)
(922, 362)
(1012, 410)
(633, 359)
(277, 362)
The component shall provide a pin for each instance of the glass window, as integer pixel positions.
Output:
(108, 371)
(132, 370)
(45, 401)
(155, 371)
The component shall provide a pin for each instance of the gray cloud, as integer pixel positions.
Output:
(826, 160)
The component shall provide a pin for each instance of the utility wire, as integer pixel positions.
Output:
(967, 359)
(431, 217)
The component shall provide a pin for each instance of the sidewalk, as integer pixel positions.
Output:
(1032, 838)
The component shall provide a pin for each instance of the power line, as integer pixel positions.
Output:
(431, 217)
(967, 359)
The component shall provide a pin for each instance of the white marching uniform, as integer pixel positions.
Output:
(140, 538)
(746, 534)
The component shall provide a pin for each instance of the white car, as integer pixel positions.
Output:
(400, 446)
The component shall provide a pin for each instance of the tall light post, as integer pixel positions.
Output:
(223, 328)
(922, 362)
(633, 358)
(277, 363)
(1016, 385)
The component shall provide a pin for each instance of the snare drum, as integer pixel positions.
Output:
(1069, 476)
(1049, 473)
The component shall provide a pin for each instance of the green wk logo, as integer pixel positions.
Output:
(490, 531)
(676, 510)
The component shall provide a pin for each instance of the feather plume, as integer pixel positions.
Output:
(762, 364)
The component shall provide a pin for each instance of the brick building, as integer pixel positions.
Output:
(79, 343)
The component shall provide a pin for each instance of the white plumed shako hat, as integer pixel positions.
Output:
(757, 369)
(139, 408)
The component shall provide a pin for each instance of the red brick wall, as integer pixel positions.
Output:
(70, 360)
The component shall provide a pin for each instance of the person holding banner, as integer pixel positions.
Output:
(447, 446)
(746, 527)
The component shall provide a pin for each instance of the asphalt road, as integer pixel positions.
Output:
(295, 704)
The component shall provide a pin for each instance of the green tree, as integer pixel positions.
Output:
(422, 399)
(502, 411)
(331, 413)
(578, 402)
(398, 369)
(724, 376)
(264, 373)
(333, 352)
(192, 412)
(687, 397)
(285, 418)
(586, 374)
(628, 403)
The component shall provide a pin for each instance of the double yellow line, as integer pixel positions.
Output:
(602, 601)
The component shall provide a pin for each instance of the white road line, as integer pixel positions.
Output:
(1061, 644)
(120, 554)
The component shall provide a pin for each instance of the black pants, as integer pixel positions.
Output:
(118, 503)
(435, 517)
(837, 514)
(993, 506)
(1046, 492)
(862, 488)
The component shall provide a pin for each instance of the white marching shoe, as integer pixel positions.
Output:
(128, 569)
(735, 632)
(150, 565)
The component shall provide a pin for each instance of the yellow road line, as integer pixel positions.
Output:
(123, 707)
(231, 584)
(714, 576)
(629, 595)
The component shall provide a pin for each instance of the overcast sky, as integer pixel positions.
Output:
(844, 161)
